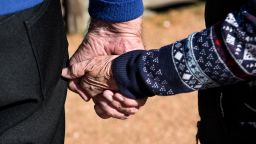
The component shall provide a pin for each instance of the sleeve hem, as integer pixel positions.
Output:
(126, 73)
(115, 11)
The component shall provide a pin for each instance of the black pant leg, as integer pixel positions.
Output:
(33, 50)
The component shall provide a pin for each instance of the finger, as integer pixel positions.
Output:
(74, 86)
(129, 102)
(66, 73)
(108, 95)
(100, 112)
(76, 70)
(108, 110)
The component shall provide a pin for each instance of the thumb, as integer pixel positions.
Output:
(76, 70)
(66, 73)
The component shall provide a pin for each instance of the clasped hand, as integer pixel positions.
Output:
(90, 72)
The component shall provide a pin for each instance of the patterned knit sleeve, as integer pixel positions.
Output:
(221, 55)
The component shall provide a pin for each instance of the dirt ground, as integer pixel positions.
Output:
(163, 120)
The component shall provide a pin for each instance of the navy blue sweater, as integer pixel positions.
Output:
(220, 55)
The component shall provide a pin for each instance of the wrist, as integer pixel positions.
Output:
(128, 28)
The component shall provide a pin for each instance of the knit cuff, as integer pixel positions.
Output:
(126, 71)
(116, 10)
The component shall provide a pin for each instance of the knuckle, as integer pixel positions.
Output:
(73, 70)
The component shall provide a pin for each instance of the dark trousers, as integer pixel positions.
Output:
(228, 114)
(33, 50)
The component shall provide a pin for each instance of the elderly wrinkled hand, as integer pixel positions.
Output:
(94, 75)
(89, 77)
(96, 79)
(106, 38)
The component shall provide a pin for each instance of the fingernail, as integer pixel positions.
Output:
(126, 117)
(134, 110)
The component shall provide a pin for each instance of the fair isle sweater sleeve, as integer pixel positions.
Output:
(220, 55)
(115, 10)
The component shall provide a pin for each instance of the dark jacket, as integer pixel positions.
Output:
(227, 114)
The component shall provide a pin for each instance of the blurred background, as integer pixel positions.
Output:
(163, 120)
